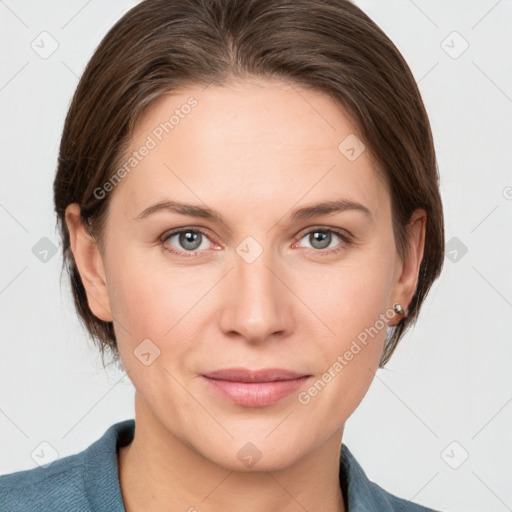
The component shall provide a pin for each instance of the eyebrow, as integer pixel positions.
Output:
(306, 212)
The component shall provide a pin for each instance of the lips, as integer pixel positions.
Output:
(254, 388)
(246, 375)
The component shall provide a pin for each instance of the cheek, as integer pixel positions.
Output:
(354, 303)
(153, 300)
(156, 303)
(149, 297)
(351, 296)
(351, 355)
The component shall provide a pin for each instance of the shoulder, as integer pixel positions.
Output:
(82, 482)
(44, 488)
(365, 495)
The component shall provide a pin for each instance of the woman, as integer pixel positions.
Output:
(249, 205)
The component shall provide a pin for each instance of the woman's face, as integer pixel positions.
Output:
(266, 281)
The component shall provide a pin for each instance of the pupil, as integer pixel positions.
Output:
(323, 238)
(189, 239)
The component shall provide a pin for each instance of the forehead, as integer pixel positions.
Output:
(252, 141)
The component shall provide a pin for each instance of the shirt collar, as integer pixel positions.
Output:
(103, 489)
(100, 468)
(360, 494)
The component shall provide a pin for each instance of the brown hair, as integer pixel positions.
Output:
(330, 46)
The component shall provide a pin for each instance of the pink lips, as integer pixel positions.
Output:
(254, 388)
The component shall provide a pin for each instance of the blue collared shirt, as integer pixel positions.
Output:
(88, 481)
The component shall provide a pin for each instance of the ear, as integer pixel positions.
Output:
(89, 263)
(408, 270)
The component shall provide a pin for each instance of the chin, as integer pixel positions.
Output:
(249, 456)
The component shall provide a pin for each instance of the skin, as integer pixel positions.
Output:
(253, 151)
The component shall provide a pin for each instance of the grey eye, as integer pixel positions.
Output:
(188, 240)
(320, 239)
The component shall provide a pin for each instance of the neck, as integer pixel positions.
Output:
(158, 471)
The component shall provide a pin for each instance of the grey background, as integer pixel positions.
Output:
(447, 392)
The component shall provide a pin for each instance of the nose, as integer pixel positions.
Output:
(257, 304)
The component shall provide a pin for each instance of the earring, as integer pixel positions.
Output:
(398, 308)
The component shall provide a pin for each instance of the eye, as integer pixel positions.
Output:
(185, 240)
(190, 242)
(321, 239)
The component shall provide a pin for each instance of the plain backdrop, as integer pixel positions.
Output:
(436, 424)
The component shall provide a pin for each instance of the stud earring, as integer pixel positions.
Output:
(398, 308)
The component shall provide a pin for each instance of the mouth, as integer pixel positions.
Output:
(246, 375)
(254, 388)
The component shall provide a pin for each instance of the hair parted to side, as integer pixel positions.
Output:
(330, 46)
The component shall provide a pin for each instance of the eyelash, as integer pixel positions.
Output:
(194, 254)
